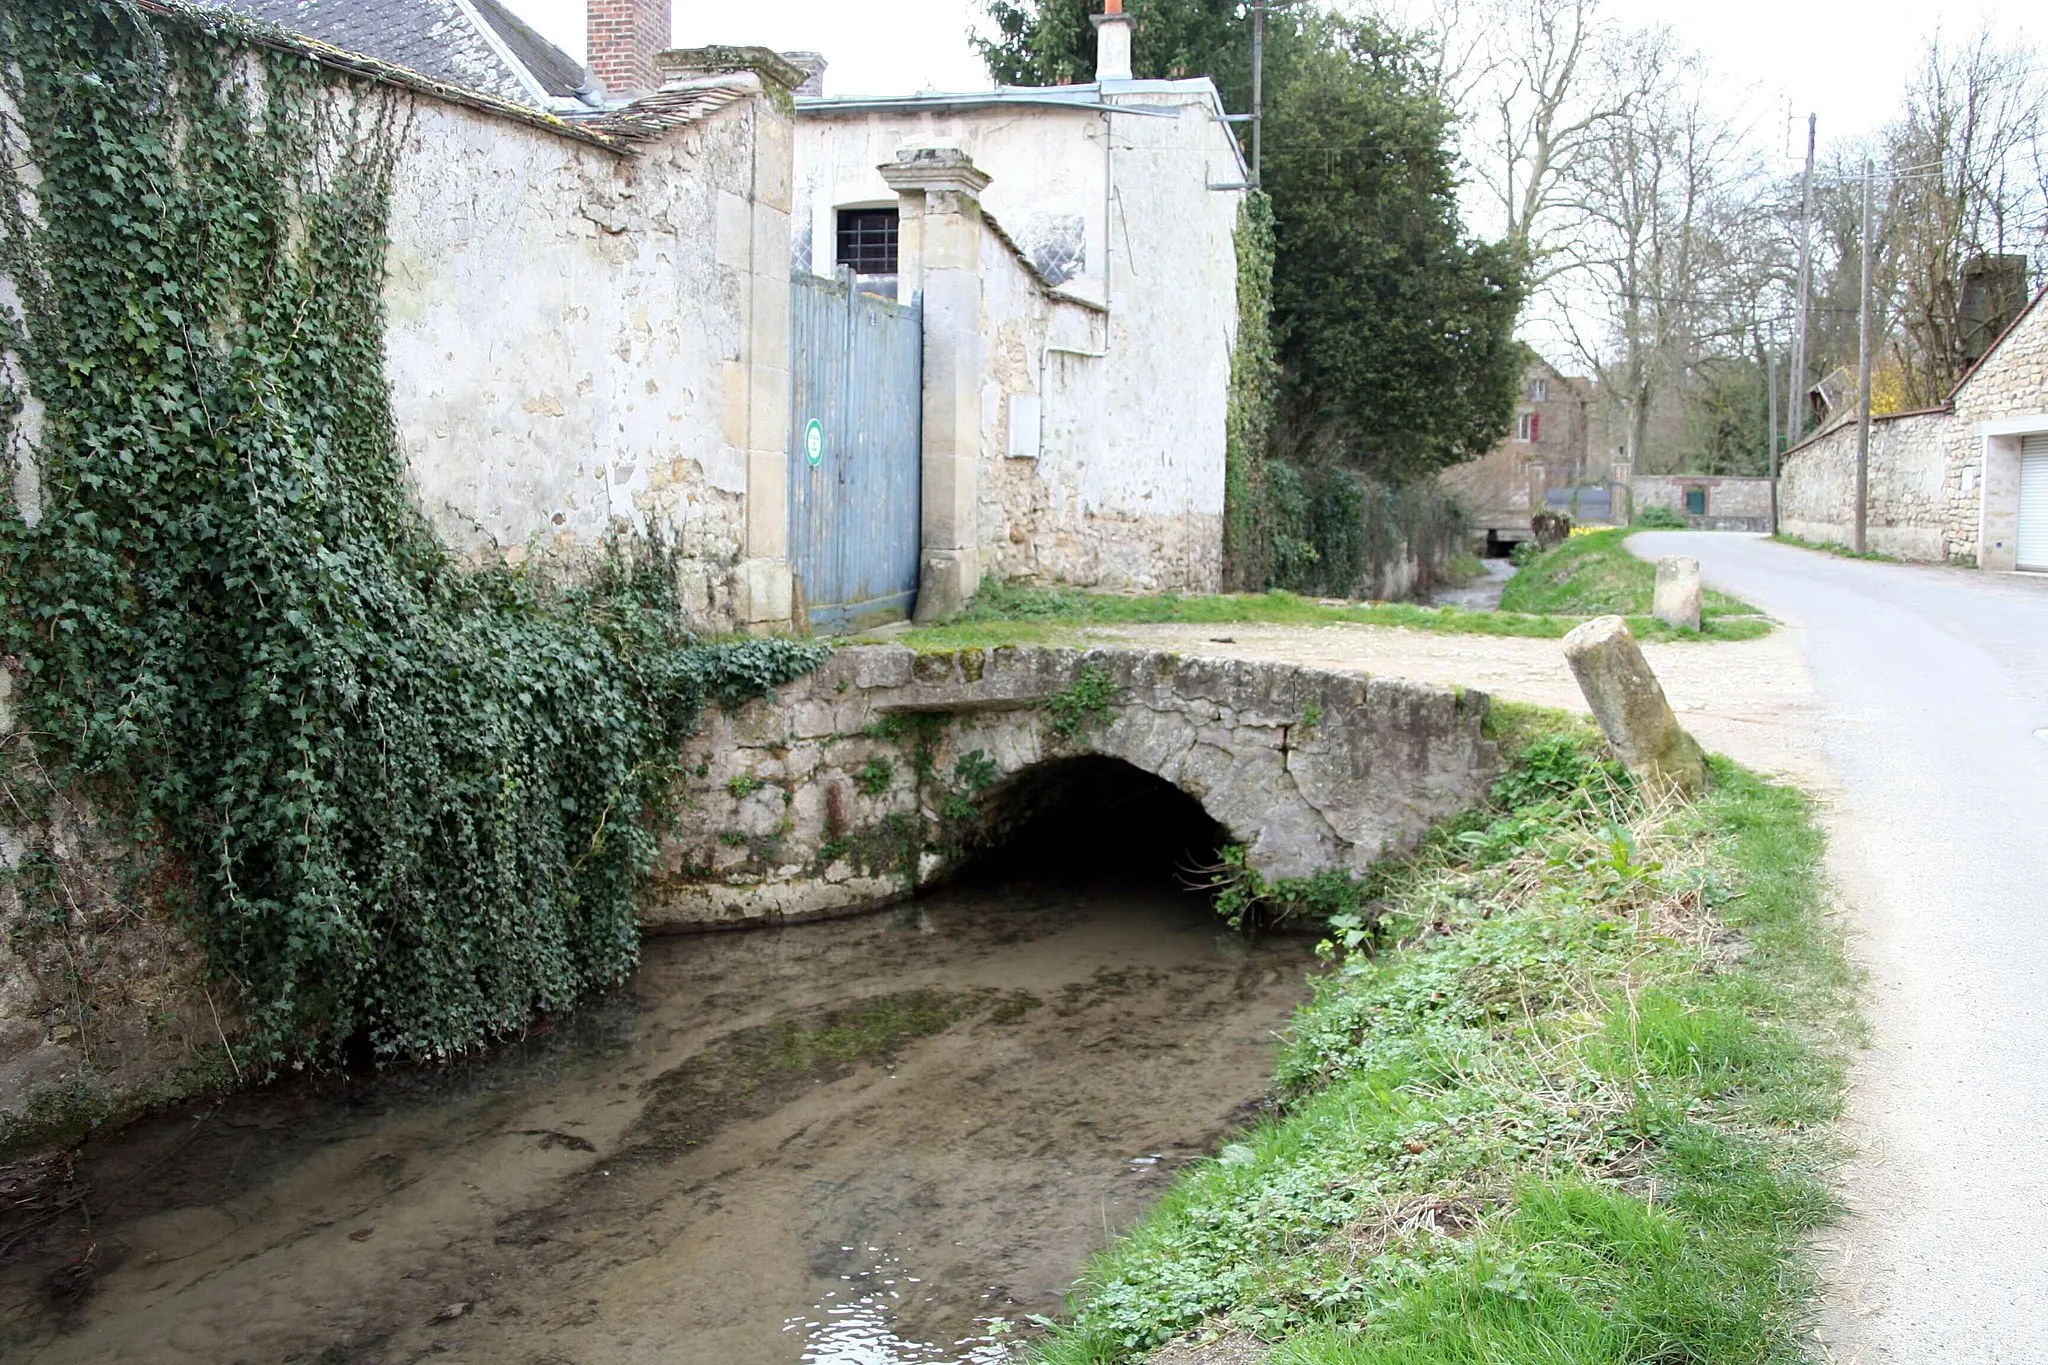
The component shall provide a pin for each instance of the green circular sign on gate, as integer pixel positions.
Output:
(814, 441)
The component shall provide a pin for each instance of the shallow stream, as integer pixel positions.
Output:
(876, 1141)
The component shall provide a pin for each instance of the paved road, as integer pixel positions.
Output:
(1933, 691)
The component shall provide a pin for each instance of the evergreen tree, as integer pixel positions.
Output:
(1394, 329)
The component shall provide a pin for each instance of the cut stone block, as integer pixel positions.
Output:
(1628, 702)
(1677, 602)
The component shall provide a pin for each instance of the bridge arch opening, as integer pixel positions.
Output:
(1092, 816)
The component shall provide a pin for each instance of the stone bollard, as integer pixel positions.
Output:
(1629, 704)
(1677, 602)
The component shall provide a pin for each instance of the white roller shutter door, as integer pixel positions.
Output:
(2033, 539)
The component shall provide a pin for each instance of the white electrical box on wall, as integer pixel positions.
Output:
(1023, 426)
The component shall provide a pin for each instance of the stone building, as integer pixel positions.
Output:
(590, 301)
(1545, 453)
(1098, 221)
(1965, 482)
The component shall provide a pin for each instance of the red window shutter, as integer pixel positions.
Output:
(1535, 426)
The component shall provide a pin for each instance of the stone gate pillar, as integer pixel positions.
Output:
(753, 243)
(938, 255)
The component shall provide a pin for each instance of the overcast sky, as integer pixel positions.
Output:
(1845, 60)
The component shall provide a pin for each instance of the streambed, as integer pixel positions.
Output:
(876, 1141)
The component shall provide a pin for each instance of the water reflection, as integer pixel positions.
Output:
(855, 1325)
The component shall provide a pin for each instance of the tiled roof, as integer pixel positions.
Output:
(476, 44)
(674, 106)
(556, 71)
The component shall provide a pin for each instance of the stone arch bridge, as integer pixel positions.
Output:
(886, 768)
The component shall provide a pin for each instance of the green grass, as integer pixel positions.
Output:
(1829, 547)
(1595, 575)
(1003, 614)
(1578, 1114)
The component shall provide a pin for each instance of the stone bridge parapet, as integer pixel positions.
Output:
(885, 769)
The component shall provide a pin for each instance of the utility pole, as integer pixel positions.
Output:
(1863, 377)
(1771, 390)
(1258, 86)
(1795, 388)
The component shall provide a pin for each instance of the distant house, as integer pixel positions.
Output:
(1964, 482)
(476, 44)
(1541, 460)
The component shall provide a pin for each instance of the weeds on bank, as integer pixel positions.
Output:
(1007, 614)
(1595, 575)
(1574, 1113)
(1830, 547)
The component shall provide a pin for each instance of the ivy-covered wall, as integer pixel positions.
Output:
(1312, 527)
(399, 801)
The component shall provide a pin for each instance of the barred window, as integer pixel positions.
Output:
(867, 241)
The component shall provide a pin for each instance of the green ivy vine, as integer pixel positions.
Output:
(411, 800)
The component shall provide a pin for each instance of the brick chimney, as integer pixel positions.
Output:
(1112, 42)
(624, 36)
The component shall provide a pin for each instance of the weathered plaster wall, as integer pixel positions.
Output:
(1733, 504)
(858, 782)
(571, 333)
(1132, 393)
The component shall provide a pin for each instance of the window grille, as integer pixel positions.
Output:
(867, 241)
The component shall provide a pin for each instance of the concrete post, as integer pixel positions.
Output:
(1621, 493)
(1628, 702)
(1676, 601)
(938, 254)
(1539, 488)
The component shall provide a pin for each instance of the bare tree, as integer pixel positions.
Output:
(1527, 76)
(1647, 195)
(1965, 164)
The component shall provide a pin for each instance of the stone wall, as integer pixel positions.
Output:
(1733, 504)
(1108, 279)
(884, 770)
(1943, 484)
(1907, 483)
(102, 1006)
(580, 336)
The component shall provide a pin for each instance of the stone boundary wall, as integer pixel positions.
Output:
(1733, 503)
(579, 337)
(1908, 488)
(1941, 489)
(102, 1007)
(882, 771)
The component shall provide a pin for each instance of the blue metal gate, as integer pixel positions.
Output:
(856, 434)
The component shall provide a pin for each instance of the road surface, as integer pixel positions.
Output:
(1932, 718)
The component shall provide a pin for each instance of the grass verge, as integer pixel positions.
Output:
(1829, 547)
(1005, 614)
(1578, 1112)
(1595, 575)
